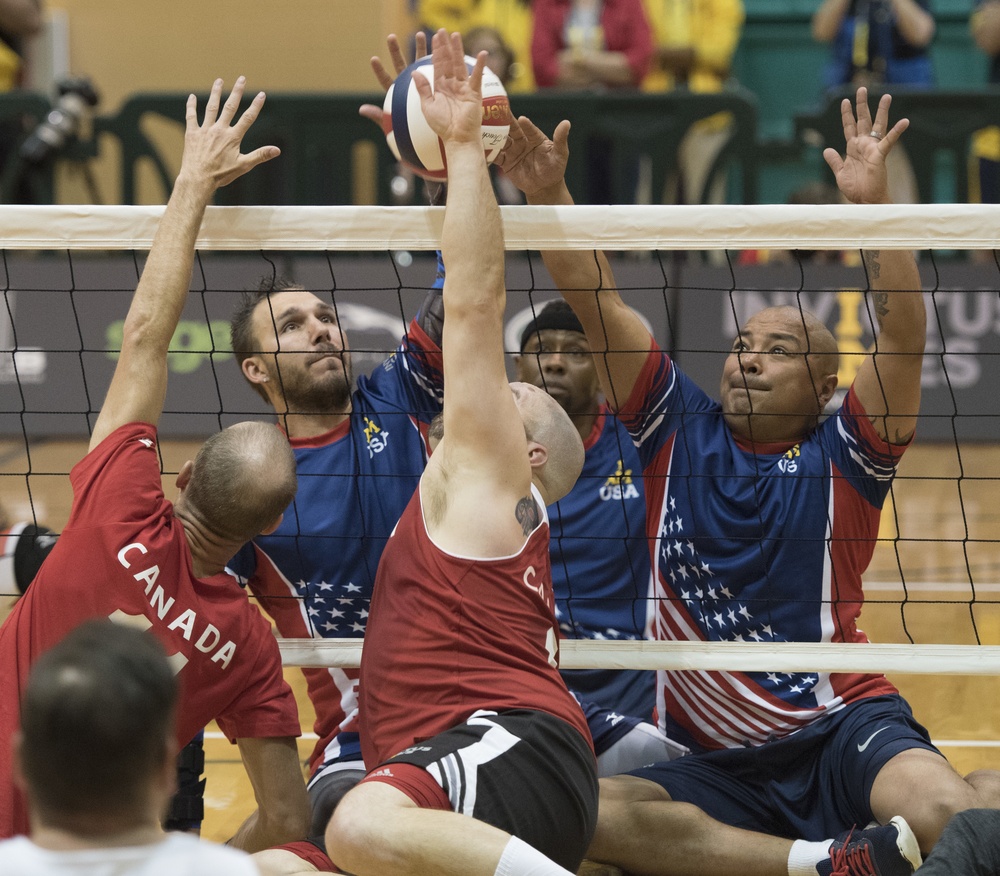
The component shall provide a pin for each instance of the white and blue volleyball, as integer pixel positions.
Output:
(410, 137)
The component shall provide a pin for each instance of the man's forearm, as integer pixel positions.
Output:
(163, 289)
(898, 307)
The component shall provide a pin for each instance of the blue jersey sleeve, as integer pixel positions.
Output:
(662, 401)
(412, 378)
(861, 455)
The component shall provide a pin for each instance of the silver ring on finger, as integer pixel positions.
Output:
(876, 135)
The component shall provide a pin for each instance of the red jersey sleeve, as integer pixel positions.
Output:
(119, 480)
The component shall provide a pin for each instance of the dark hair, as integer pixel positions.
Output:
(243, 480)
(96, 718)
(241, 335)
(556, 314)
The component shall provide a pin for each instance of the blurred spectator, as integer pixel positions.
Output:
(583, 44)
(452, 15)
(511, 19)
(590, 44)
(984, 180)
(19, 20)
(877, 43)
(694, 47)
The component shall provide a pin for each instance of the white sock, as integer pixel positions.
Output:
(520, 859)
(804, 857)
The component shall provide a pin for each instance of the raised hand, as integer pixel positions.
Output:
(454, 107)
(530, 159)
(861, 173)
(212, 148)
(369, 110)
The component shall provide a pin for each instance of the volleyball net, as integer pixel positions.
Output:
(694, 274)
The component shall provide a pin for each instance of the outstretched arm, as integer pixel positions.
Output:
(475, 478)
(888, 382)
(211, 160)
(537, 166)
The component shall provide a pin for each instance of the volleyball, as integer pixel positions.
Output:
(410, 137)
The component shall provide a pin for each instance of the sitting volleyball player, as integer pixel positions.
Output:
(481, 761)
(600, 559)
(129, 554)
(773, 758)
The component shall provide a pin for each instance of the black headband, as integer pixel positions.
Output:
(555, 315)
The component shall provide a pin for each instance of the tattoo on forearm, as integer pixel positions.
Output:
(881, 300)
(527, 514)
(872, 264)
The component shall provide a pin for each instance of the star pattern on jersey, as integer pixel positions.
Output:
(711, 604)
(332, 615)
(575, 630)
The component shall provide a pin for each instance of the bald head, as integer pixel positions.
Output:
(547, 424)
(243, 480)
(780, 375)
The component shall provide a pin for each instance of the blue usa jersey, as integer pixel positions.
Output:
(600, 565)
(765, 546)
(314, 575)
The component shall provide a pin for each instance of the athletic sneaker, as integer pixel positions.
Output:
(890, 850)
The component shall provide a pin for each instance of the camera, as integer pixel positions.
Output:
(77, 96)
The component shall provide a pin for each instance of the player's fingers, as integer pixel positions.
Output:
(476, 76)
(191, 112)
(381, 74)
(530, 131)
(423, 86)
(212, 106)
(560, 137)
(893, 135)
(863, 112)
(419, 45)
(847, 118)
(441, 55)
(458, 68)
(233, 101)
(259, 156)
(250, 114)
(396, 53)
(371, 112)
(881, 123)
(833, 159)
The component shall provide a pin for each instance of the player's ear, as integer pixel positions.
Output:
(274, 525)
(253, 370)
(827, 389)
(184, 475)
(537, 454)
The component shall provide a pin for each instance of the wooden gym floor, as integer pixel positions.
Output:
(947, 508)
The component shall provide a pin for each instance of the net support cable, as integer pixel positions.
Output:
(619, 228)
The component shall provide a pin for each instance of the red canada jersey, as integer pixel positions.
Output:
(450, 635)
(123, 555)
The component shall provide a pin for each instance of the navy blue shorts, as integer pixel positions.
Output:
(810, 785)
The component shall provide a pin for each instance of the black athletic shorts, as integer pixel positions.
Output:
(526, 772)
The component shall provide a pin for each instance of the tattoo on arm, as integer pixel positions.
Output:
(527, 514)
(881, 306)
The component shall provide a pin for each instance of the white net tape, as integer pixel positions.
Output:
(768, 226)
